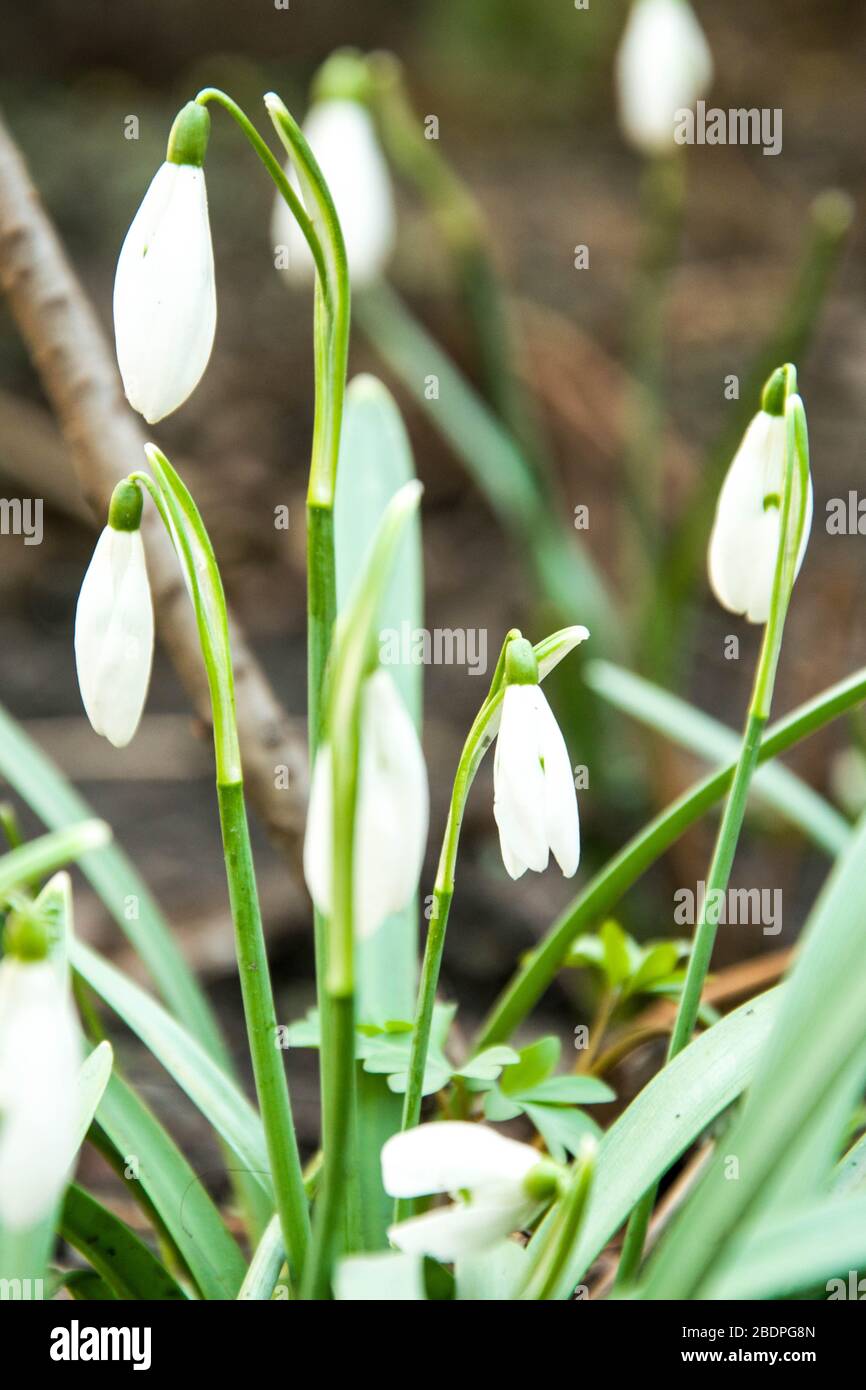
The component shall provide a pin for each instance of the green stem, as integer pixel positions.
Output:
(790, 532)
(261, 1020)
(322, 231)
(337, 1172)
(478, 740)
(195, 552)
(553, 1253)
(699, 962)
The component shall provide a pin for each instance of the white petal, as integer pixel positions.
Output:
(663, 65)
(342, 136)
(40, 1052)
(561, 818)
(451, 1155)
(165, 294)
(393, 806)
(448, 1233)
(318, 837)
(114, 635)
(518, 782)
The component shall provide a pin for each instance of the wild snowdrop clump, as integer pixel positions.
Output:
(455, 1161)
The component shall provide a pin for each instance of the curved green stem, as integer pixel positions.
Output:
(277, 173)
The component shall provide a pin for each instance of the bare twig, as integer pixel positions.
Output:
(105, 441)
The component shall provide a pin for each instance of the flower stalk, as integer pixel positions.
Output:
(546, 654)
(793, 517)
(198, 562)
(315, 215)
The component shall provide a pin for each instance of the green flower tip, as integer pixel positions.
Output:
(124, 511)
(521, 664)
(25, 937)
(544, 1182)
(777, 388)
(187, 142)
(345, 76)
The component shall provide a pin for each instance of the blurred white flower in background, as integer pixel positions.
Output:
(391, 815)
(343, 138)
(663, 65)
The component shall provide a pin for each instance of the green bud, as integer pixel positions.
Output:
(521, 666)
(545, 1181)
(25, 937)
(777, 388)
(124, 510)
(345, 76)
(187, 142)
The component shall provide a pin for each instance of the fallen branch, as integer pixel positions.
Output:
(105, 441)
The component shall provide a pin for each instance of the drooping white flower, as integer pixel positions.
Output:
(744, 543)
(114, 624)
(164, 288)
(392, 811)
(40, 1053)
(663, 65)
(534, 800)
(343, 138)
(487, 1172)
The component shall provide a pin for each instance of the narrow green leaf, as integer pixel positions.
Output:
(50, 796)
(375, 462)
(178, 1195)
(796, 1252)
(114, 1251)
(850, 1175)
(216, 1096)
(665, 1118)
(787, 794)
(43, 856)
(816, 1049)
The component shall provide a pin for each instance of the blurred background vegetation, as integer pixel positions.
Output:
(524, 97)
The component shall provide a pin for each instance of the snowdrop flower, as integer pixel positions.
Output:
(342, 136)
(114, 623)
(534, 800)
(501, 1185)
(663, 65)
(40, 1052)
(164, 291)
(744, 544)
(392, 811)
